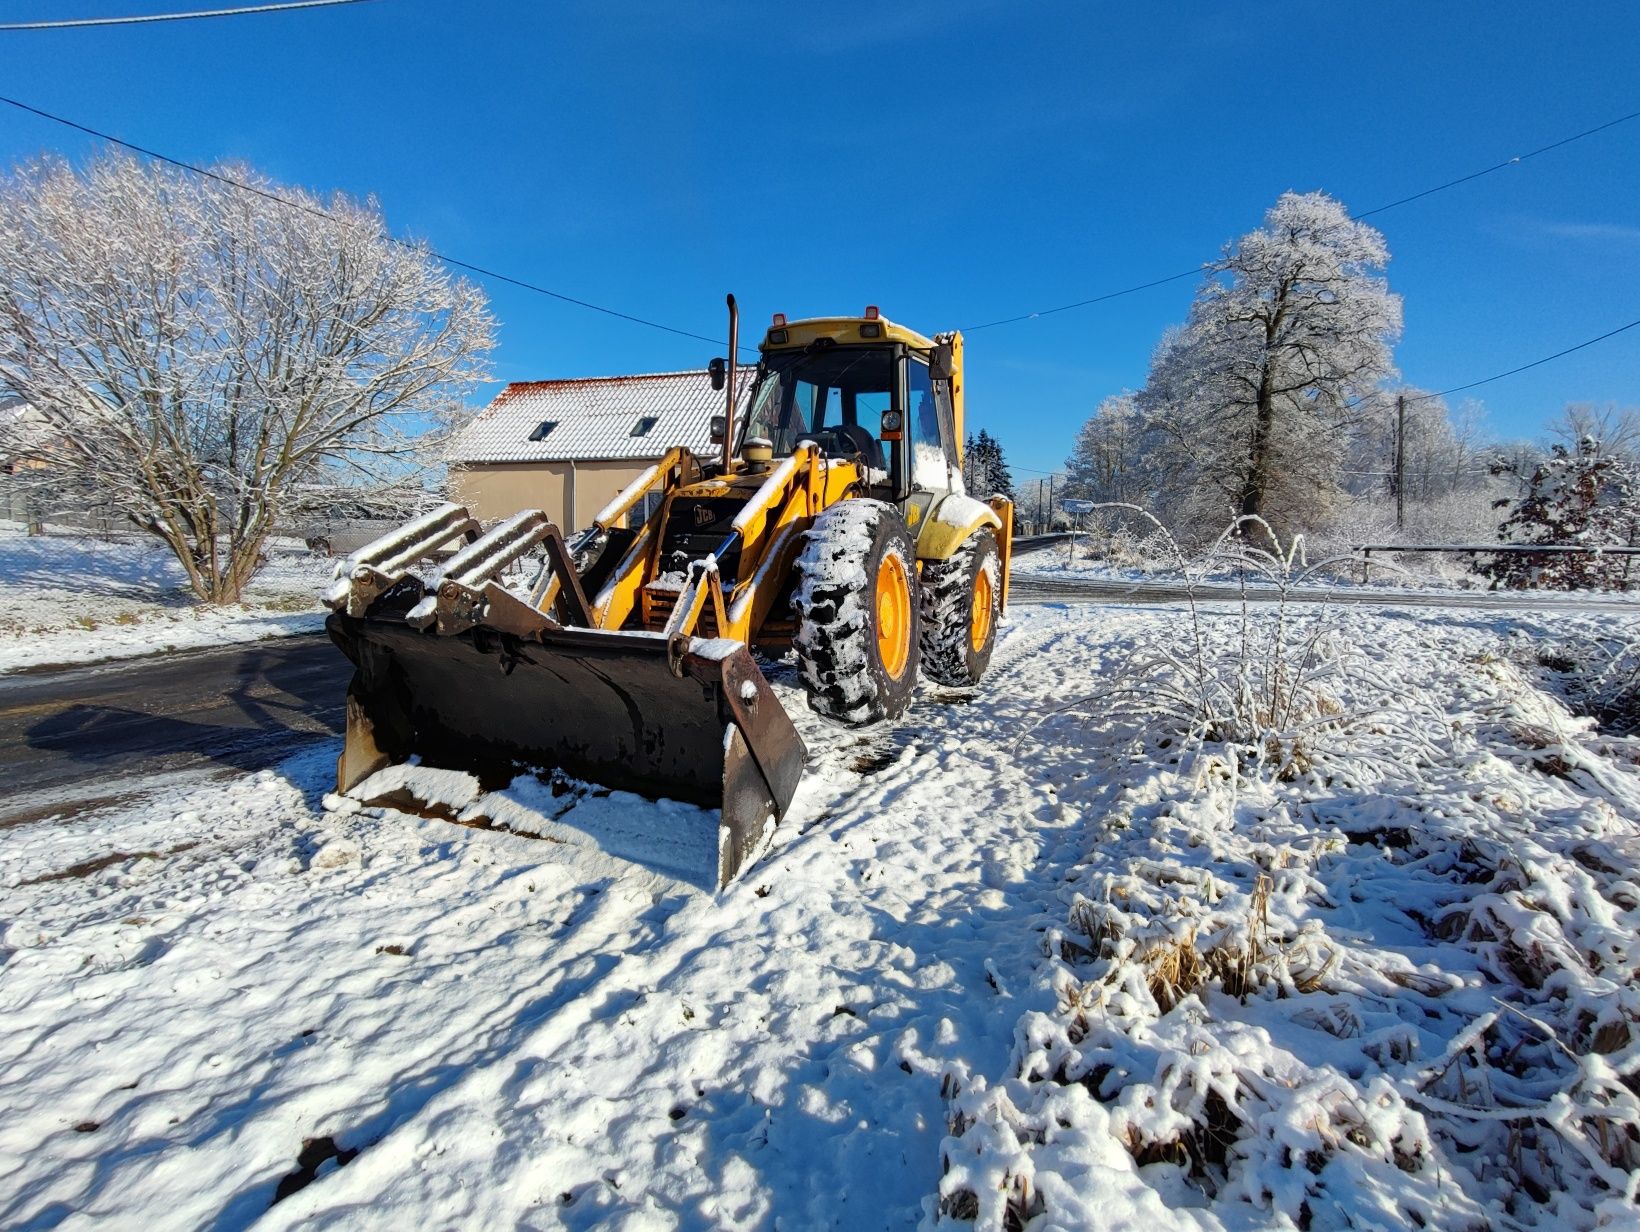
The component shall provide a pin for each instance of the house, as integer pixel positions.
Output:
(28, 442)
(567, 447)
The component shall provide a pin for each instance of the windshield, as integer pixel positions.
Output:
(804, 392)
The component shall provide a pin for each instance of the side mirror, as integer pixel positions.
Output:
(720, 423)
(940, 361)
(717, 370)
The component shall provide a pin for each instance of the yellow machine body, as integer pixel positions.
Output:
(626, 657)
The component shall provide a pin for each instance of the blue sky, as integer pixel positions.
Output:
(953, 162)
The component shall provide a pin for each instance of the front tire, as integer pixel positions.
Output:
(961, 607)
(858, 622)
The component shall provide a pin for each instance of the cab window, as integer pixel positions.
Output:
(929, 465)
(806, 392)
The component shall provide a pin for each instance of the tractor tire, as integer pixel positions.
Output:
(961, 607)
(857, 637)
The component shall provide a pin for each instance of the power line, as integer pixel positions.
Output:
(189, 16)
(317, 212)
(1496, 376)
(496, 275)
(1378, 209)
(1503, 166)
(1083, 303)
(1486, 380)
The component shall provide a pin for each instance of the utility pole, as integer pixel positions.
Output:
(1400, 461)
(1050, 502)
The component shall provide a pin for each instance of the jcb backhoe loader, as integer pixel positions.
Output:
(833, 524)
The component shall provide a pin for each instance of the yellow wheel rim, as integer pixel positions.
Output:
(893, 615)
(979, 619)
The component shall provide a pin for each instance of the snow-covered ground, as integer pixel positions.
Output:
(1415, 575)
(1075, 561)
(69, 598)
(1014, 949)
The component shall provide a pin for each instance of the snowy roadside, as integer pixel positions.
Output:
(1391, 985)
(512, 1030)
(454, 1027)
(1059, 562)
(1221, 583)
(74, 599)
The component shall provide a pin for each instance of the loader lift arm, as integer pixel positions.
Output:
(625, 657)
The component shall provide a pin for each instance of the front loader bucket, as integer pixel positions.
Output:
(680, 718)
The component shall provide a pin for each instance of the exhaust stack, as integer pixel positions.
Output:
(729, 397)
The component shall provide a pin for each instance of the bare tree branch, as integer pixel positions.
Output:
(204, 361)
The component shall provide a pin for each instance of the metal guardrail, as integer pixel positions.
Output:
(1488, 549)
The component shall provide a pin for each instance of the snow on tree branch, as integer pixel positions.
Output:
(1259, 388)
(204, 360)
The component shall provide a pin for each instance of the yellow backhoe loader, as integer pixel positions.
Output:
(833, 524)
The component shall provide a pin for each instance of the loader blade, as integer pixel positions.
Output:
(687, 719)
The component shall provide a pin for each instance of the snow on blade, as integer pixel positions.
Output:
(677, 839)
(668, 836)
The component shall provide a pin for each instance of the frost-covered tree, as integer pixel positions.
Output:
(1107, 462)
(1253, 399)
(985, 468)
(205, 358)
(1615, 429)
(1443, 467)
(1430, 464)
(1582, 497)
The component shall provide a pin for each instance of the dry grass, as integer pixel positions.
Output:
(1285, 697)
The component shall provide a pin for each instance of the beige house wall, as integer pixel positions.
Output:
(499, 490)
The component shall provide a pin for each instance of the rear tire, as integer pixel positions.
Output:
(961, 607)
(858, 634)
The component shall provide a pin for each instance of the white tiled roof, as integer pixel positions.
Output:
(595, 417)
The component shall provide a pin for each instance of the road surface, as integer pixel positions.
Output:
(72, 739)
(1029, 588)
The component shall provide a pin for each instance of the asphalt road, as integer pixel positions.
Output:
(1026, 588)
(75, 738)
(72, 739)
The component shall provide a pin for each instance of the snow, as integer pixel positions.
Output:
(714, 648)
(962, 511)
(1388, 574)
(1378, 993)
(72, 599)
(677, 838)
(869, 1023)
(931, 469)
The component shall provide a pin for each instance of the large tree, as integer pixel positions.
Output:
(1254, 397)
(206, 357)
(1107, 462)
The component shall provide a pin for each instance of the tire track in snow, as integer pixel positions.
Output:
(725, 1074)
(501, 1022)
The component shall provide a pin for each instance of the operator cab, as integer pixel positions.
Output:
(863, 389)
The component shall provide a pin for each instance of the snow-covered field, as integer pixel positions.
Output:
(67, 598)
(1021, 957)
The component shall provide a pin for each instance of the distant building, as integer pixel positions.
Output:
(567, 447)
(26, 443)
